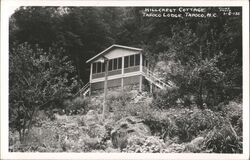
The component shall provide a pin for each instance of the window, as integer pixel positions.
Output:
(110, 64)
(103, 67)
(99, 67)
(131, 60)
(94, 68)
(119, 63)
(115, 64)
(126, 62)
(137, 59)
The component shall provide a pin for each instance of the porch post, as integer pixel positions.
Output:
(122, 85)
(90, 78)
(105, 107)
(140, 83)
(141, 62)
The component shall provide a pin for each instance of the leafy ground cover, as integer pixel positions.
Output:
(173, 130)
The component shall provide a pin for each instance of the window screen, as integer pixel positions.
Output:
(137, 59)
(110, 64)
(99, 66)
(132, 60)
(119, 63)
(94, 68)
(103, 67)
(126, 62)
(115, 64)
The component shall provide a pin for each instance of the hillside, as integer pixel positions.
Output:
(134, 125)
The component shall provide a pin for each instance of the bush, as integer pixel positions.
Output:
(180, 124)
(234, 112)
(195, 122)
(145, 145)
(122, 104)
(157, 121)
(90, 144)
(224, 140)
(118, 97)
(164, 99)
(77, 105)
(38, 140)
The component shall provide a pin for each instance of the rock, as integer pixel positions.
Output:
(93, 126)
(60, 117)
(175, 148)
(91, 118)
(127, 127)
(195, 145)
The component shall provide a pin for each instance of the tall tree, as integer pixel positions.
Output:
(37, 78)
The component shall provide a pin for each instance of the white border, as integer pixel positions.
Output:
(7, 7)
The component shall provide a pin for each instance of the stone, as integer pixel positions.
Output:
(91, 118)
(195, 145)
(127, 127)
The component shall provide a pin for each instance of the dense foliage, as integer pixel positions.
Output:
(38, 79)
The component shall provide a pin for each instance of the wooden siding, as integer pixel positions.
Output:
(130, 83)
(131, 87)
(110, 73)
(115, 72)
(98, 75)
(114, 83)
(97, 86)
(132, 69)
(111, 83)
(131, 80)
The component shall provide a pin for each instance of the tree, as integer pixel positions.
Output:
(82, 32)
(203, 57)
(36, 79)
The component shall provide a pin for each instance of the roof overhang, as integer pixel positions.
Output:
(110, 48)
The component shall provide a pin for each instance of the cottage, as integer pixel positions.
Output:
(121, 67)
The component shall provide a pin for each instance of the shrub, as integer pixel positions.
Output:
(157, 121)
(122, 105)
(38, 140)
(118, 97)
(81, 121)
(234, 112)
(194, 122)
(223, 140)
(77, 105)
(164, 99)
(181, 124)
(145, 144)
(90, 144)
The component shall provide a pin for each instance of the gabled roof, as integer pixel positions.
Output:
(110, 48)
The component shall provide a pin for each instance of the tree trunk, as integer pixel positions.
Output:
(200, 100)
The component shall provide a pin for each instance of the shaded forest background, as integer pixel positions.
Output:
(83, 32)
(50, 45)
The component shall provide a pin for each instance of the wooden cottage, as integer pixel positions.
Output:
(121, 67)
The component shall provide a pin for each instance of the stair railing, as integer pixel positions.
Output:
(150, 75)
(83, 89)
